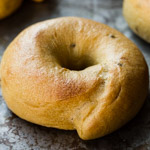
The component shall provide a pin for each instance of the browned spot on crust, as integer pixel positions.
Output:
(68, 89)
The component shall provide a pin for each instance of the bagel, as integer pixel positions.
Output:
(7, 7)
(39, 1)
(137, 15)
(75, 74)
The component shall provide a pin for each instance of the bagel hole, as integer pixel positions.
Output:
(72, 59)
(77, 63)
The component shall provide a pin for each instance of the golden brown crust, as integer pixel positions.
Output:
(137, 15)
(38, 87)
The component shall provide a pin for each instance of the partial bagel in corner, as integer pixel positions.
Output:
(74, 74)
(7, 7)
(137, 15)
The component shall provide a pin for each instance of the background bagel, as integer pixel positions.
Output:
(74, 73)
(137, 15)
(7, 7)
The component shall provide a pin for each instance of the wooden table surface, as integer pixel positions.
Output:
(17, 134)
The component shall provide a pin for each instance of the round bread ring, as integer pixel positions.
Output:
(74, 73)
(137, 15)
